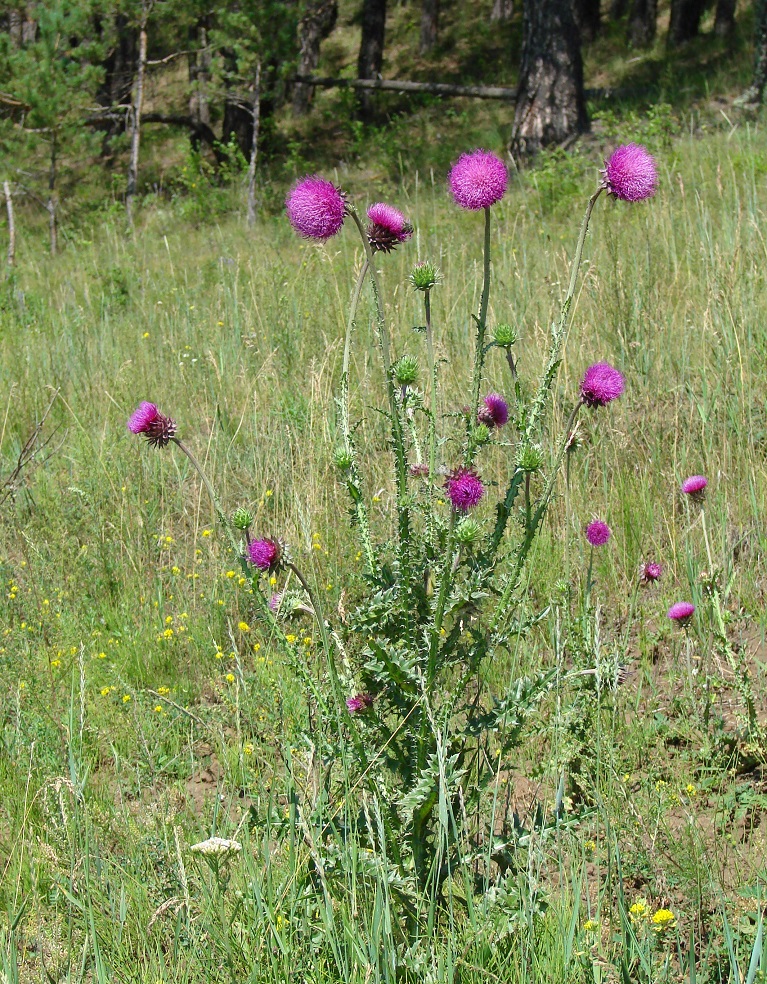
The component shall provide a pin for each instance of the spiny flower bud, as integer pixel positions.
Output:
(530, 457)
(425, 275)
(505, 335)
(406, 370)
(468, 531)
(242, 519)
(480, 434)
(342, 459)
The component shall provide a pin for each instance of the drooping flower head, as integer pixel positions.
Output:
(493, 411)
(360, 702)
(630, 173)
(478, 180)
(388, 227)
(598, 533)
(316, 208)
(650, 572)
(681, 612)
(265, 554)
(601, 384)
(464, 489)
(155, 426)
(695, 487)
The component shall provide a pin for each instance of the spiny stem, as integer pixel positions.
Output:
(433, 373)
(479, 353)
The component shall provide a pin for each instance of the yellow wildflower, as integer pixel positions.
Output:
(243, 627)
(230, 677)
(663, 919)
(590, 925)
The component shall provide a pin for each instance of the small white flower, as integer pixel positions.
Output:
(216, 847)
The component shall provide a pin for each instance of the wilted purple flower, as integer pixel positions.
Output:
(388, 227)
(419, 471)
(598, 533)
(360, 702)
(493, 411)
(464, 489)
(264, 554)
(275, 601)
(316, 208)
(478, 180)
(681, 612)
(155, 426)
(695, 487)
(630, 173)
(650, 572)
(601, 384)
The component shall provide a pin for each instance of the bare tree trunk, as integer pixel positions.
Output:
(254, 148)
(588, 17)
(138, 99)
(642, 23)
(755, 92)
(316, 24)
(51, 203)
(724, 24)
(370, 61)
(685, 21)
(11, 223)
(199, 74)
(551, 107)
(14, 28)
(618, 8)
(502, 10)
(429, 24)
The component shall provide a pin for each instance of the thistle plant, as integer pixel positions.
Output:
(414, 730)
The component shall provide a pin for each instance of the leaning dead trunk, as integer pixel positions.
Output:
(138, 99)
(370, 61)
(11, 224)
(551, 107)
(254, 147)
(316, 24)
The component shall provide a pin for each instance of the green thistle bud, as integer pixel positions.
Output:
(406, 370)
(505, 335)
(468, 531)
(242, 519)
(342, 459)
(425, 276)
(480, 434)
(530, 457)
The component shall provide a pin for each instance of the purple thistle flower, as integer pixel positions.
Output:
(419, 471)
(494, 411)
(264, 554)
(650, 572)
(155, 426)
(681, 612)
(464, 489)
(275, 601)
(598, 533)
(630, 173)
(478, 180)
(388, 227)
(695, 487)
(360, 702)
(316, 208)
(601, 384)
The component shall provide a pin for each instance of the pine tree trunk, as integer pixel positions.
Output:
(685, 21)
(254, 147)
(502, 11)
(724, 23)
(316, 24)
(138, 99)
(429, 24)
(618, 9)
(642, 23)
(199, 73)
(588, 17)
(11, 224)
(755, 92)
(550, 101)
(370, 61)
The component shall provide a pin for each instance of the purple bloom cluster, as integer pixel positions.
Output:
(264, 554)
(388, 227)
(358, 703)
(601, 385)
(155, 426)
(478, 180)
(316, 208)
(464, 489)
(494, 411)
(598, 533)
(681, 612)
(650, 572)
(695, 487)
(630, 173)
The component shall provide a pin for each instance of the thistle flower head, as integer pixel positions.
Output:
(468, 531)
(479, 434)
(681, 612)
(650, 572)
(419, 471)
(342, 459)
(478, 180)
(601, 384)
(388, 227)
(265, 554)
(275, 601)
(504, 335)
(598, 533)
(155, 426)
(695, 487)
(493, 411)
(464, 489)
(242, 519)
(424, 276)
(316, 208)
(358, 703)
(406, 370)
(630, 173)
(530, 457)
